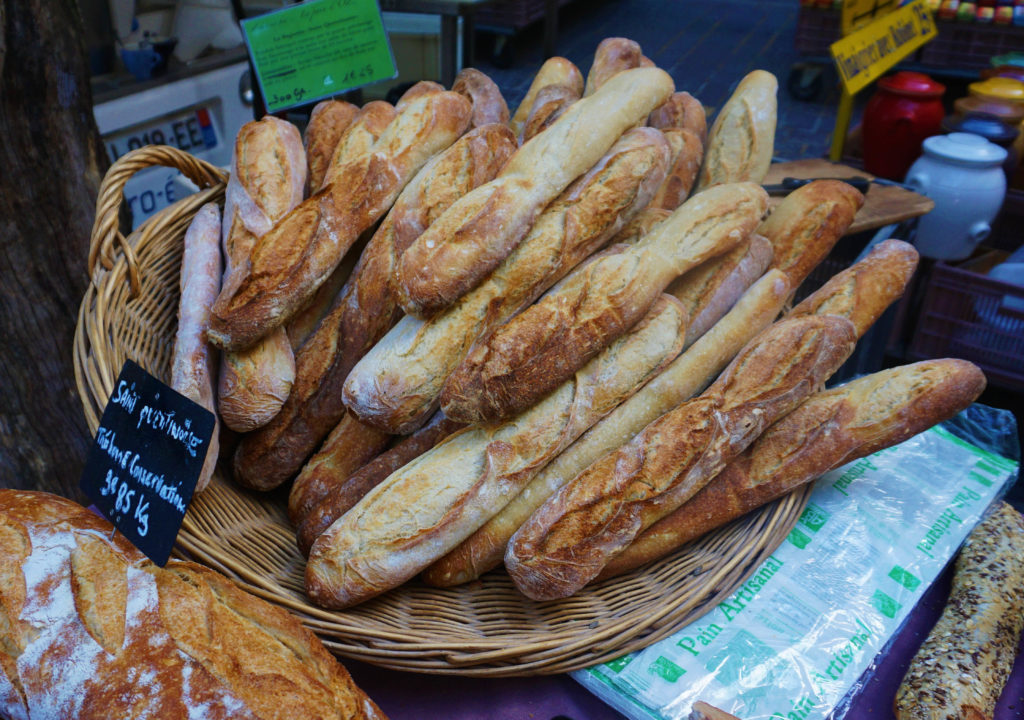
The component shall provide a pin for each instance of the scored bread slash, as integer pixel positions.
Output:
(568, 540)
(327, 124)
(424, 509)
(532, 353)
(482, 228)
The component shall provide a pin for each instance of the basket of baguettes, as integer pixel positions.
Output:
(504, 395)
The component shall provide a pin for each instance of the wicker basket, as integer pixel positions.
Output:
(485, 628)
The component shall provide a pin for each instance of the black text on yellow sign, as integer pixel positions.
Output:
(858, 13)
(862, 57)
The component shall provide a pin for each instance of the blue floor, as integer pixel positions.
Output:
(707, 47)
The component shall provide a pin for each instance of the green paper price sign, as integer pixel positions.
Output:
(318, 49)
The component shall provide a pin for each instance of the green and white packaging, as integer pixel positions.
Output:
(793, 640)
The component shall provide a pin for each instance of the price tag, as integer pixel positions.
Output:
(318, 49)
(862, 57)
(144, 463)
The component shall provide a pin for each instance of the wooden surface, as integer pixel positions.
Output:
(884, 204)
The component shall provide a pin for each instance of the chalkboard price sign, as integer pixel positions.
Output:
(144, 463)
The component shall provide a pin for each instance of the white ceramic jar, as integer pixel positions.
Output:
(962, 173)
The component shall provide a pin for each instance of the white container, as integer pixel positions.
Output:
(962, 173)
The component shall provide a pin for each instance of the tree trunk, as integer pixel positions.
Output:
(53, 160)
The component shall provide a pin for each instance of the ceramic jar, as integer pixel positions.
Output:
(962, 173)
(992, 129)
(906, 109)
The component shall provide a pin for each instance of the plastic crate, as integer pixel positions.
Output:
(974, 317)
(969, 46)
(515, 14)
(816, 30)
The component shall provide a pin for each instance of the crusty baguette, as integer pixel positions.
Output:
(426, 508)
(686, 376)
(703, 711)
(863, 291)
(742, 138)
(831, 428)
(687, 154)
(962, 666)
(423, 87)
(327, 123)
(480, 230)
(345, 494)
(364, 310)
(806, 225)
(291, 261)
(489, 106)
(709, 291)
(641, 224)
(595, 516)
(268, 179)
(681, 110)
(93, 630)
(193, 362)
(358, 139)
(536, 350)
(613, 56)
(549, 105)
(398, 383)
(554, 71)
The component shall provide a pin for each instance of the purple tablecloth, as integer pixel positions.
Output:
(408, 696)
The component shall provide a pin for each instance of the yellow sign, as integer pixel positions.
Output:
(861, 58)
(858, 13)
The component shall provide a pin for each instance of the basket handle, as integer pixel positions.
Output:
(105, 233)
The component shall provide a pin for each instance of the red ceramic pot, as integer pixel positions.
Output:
(906, 109)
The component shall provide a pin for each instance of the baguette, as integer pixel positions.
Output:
(806, 225)
(531, 354)
(962, 666)
(358, 139)
(682, 110)
(566, 543)
(831, 428)
(364, 311)
(327, 124)
(709, 291)
(687, 375)
(268, 178)
(291, 261)
(426, 508)
(613, 56)
(549, 105)
(93, 630)
(344, 495)
(742, 138)
(554, 71)
(480, 230)
(193, 364)
(687, 154)
(423, 87)
(641, 224)
(397, 384)
(489, 106)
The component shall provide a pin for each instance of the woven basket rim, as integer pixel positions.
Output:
(415, 628)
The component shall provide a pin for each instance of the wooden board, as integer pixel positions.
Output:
(884, 204)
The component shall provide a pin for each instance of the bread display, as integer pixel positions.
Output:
(93, 630)
(960, 669)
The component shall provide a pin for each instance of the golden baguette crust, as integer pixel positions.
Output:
(364, 310)
(806, 225)
(423, 87)
(327, 123)
(423, 510)
(687, 154)
(961, 668)
(397, 383)
(290, 262)
(94, 630)
(268, 177)
(358, 139)
(554, 71)
(480, 230)
(536, 350)
(710, 290)
(831, 428)
(613, 56)
(687, 375)
(566, 543)
(489, 106)
(681, 110)
(742, 138)
(863, 291)
(548, 106)
(350, 489)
